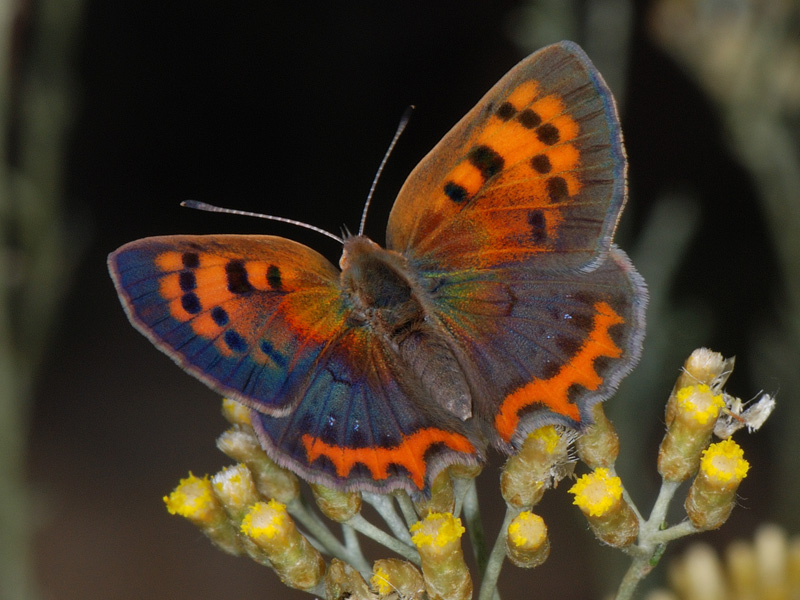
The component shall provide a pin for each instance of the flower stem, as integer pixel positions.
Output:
(385, 508)
(472, 516)
(325, 537)
(366, 528)
(498, 555)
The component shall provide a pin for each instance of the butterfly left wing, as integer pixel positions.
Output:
(263, 320)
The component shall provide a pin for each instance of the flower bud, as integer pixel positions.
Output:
(705, 367)
(236, 490)
(599, 496)
(272, 481)
(527, 544)
(527, 474)
(343, 581)
(690, 423)
(442, 499)
(392, 575)
(235, 412)
(599, 446)
(337, 506)
(194, 500)
(296, 561)
(713, 492)
(465, 471)
(438, 539)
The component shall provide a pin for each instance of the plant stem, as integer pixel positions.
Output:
(366, 528)
(496, 558)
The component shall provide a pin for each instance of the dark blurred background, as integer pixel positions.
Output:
(115, 112)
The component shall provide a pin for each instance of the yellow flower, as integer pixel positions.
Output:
(597, 492)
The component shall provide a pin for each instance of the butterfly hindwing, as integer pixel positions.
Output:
(534, 172)
(543, 347)
(361, 425)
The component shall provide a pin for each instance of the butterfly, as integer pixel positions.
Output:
(499, 304)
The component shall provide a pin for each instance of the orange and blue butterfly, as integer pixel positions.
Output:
(500, 303)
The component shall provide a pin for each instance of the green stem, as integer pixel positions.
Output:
(366, 528)
(673, 533)
(315, 527)
(407, 508)
(652, 541)
(495, 563)
(461, 487)
(472, 517)
(384, 506)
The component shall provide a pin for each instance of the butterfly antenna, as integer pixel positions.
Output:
(231, 211)
(400, 127)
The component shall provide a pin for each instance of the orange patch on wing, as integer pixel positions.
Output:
(523, 94)
(169, 287)
(204, 326)
(212, 286)
(169, 261)
(564, 157)
(515, 144)
(548, 107)
(580, 370)
(573, 184)
(257, 276)
(467, 176)
(567, 127)
(410, 454)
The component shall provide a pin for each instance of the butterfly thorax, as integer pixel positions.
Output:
(386, 297)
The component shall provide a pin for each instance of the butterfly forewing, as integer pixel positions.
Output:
(247, 315)
(535, 172)
(509, 222)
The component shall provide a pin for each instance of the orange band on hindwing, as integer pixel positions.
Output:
(409, 454)
(552, 393)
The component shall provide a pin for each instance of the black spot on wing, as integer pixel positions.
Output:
(276, 357)
(455, 192)
(191, 260)
(538, 225)
(529, 119)
(541, 164)
(548, 134)
(486, 160)
(506, 111)
(220, 316)
(236, 274)
(191, 303)
(234, 341)
(557, 189)
(187, 281)
(274, 277)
